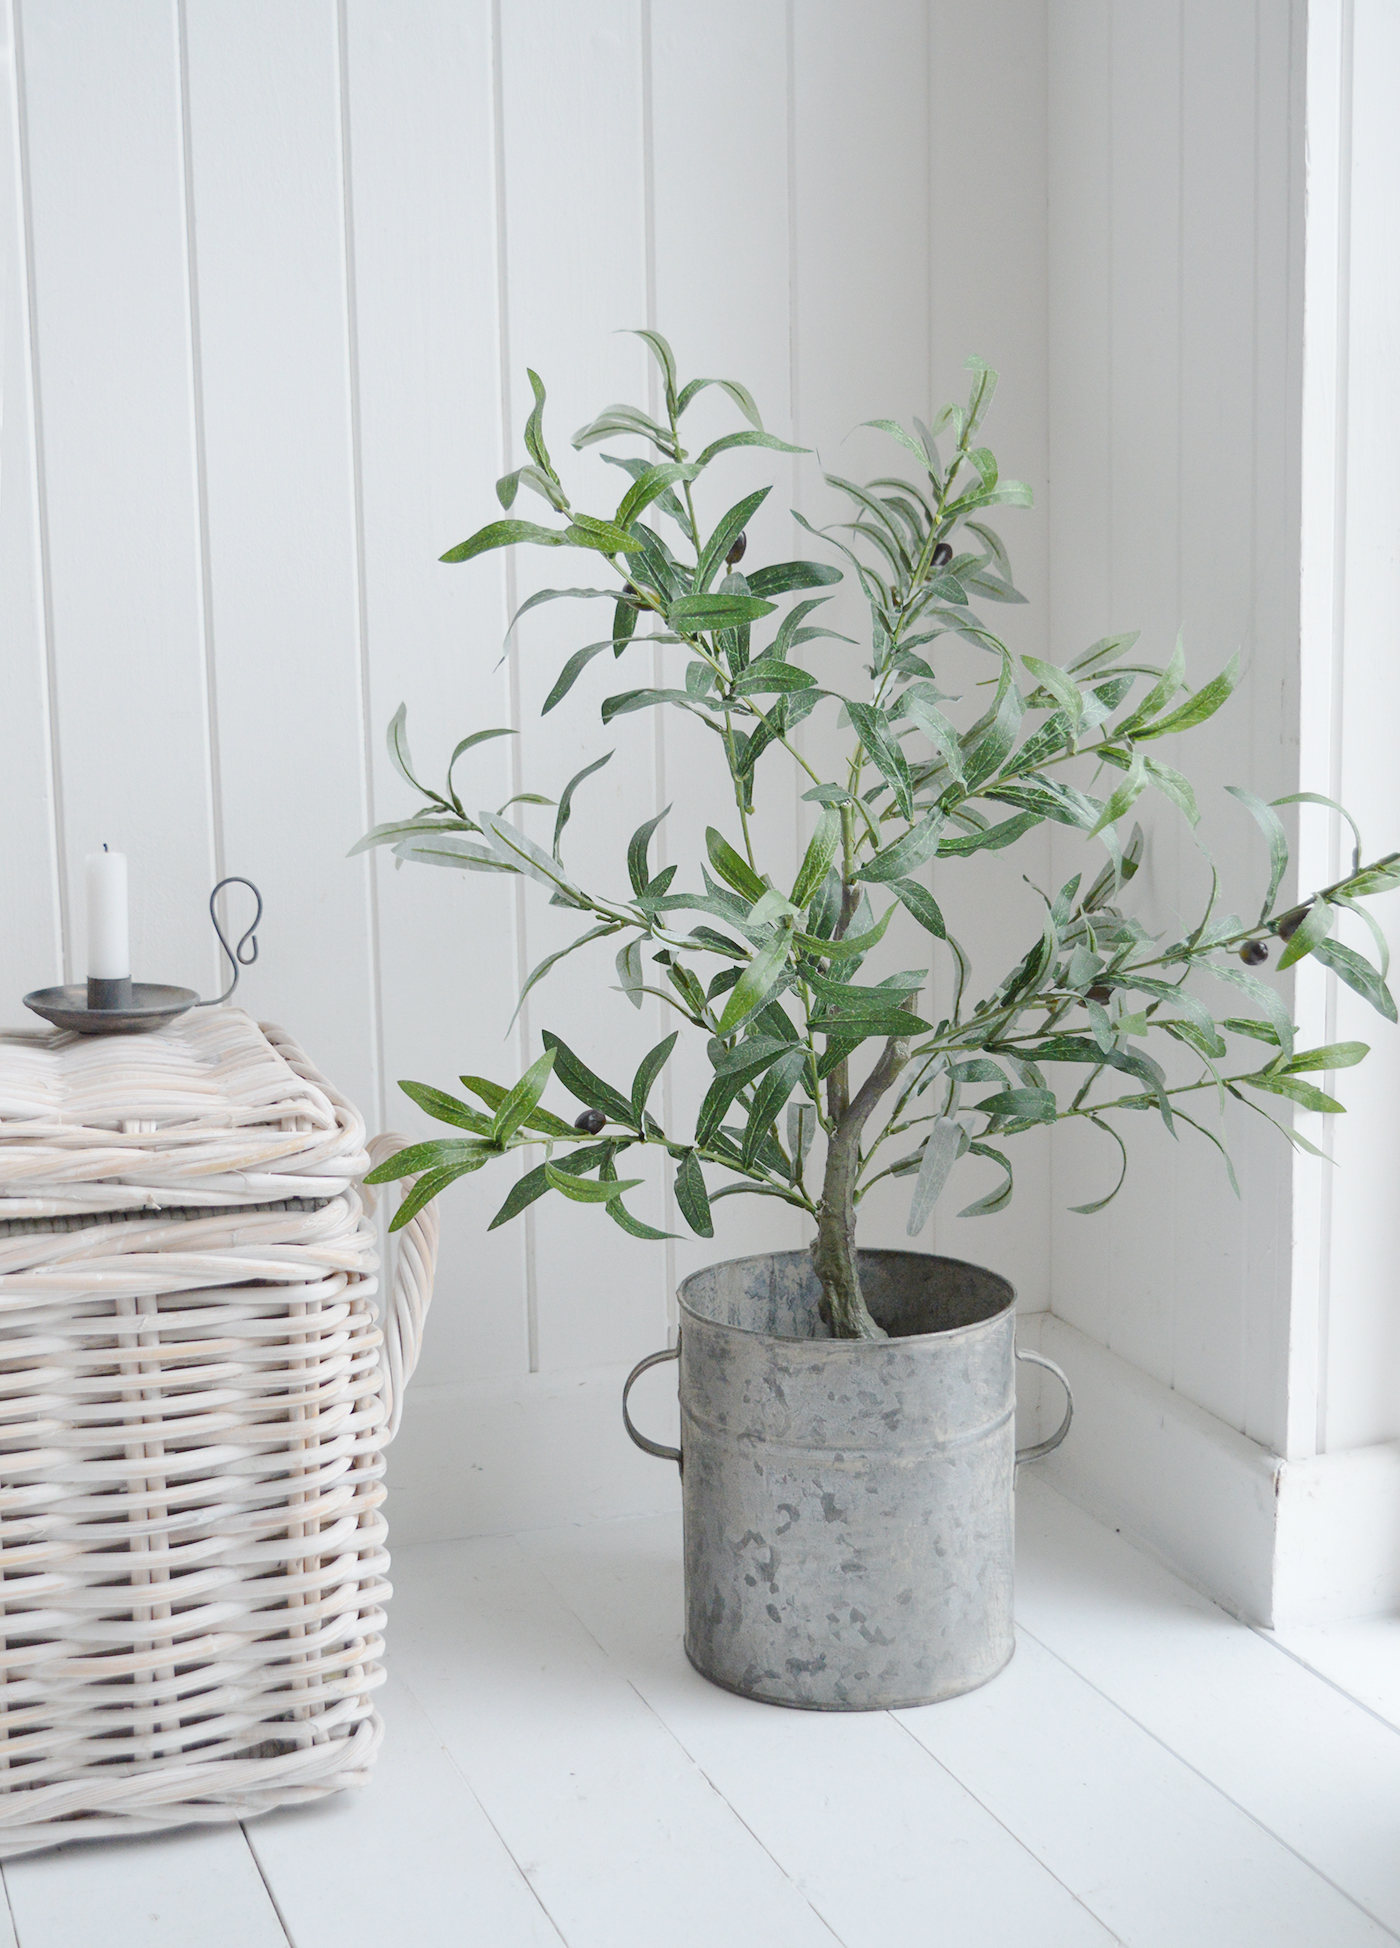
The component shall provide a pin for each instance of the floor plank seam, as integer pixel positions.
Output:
(1214, 1786)
(506, 1848)
(542, 1571)
(1286, 1650)
(267, 1884)
(1010, 1832)
(5, 1894)
(729, 1805)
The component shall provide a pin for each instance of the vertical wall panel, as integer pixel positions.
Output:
(722, 297)
(1078, 67)
(264, 85)
(861, 201)
(1238, 547)
(31, 946)
(1270, 1294)
(1145, 559)
(1322, 617)
(987, 296)
(1362, 1365)
(421, 121)
(576, 264)
(111, 306)
(1173, 313)
(1217, 582)
(1079, 302)
(862, 177)
(988, 268)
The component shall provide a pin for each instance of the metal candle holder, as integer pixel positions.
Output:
(128, 1007)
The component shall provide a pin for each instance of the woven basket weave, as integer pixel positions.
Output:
(196, 1388)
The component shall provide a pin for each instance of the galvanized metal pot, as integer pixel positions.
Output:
(848, 1503)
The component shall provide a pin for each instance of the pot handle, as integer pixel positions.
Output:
(1039, 1449)
(650, 1447)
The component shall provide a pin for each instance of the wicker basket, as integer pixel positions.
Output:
(196, 1389)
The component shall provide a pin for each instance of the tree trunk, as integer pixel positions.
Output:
(834, 1247)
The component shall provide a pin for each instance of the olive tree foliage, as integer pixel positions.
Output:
(769, 973)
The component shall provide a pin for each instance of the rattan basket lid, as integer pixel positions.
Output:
(212, 1110)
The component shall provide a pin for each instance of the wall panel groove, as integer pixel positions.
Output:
(509, 437)
(1334, 838)
(671, 1222)
(201, 464)
(381, 1108)
(29, 536)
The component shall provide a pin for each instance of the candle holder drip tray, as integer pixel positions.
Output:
(147, 1005)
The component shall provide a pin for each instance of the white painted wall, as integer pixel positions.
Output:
(1223, 439)
(276, 273)
(1224, 426)
(273, 277)
(1346, 1350)
(1174, 311)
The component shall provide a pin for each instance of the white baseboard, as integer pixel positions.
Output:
(1339, 1537)
(1145, 1459)
(1276, 1542)
(495, 1456)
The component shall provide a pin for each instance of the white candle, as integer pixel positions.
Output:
(109, 939)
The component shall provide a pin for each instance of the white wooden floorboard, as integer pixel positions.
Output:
(197, 1889)
(1147, 1771)
(1317, 1770)
(886, 1845)
(619, 1832)
(411, 1858)
(1362, 1657)
(1154, 1850)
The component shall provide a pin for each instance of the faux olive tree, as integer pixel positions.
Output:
(768, 972)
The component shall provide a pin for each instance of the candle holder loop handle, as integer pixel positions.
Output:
(238, 957)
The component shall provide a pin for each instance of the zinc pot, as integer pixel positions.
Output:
(848, 1503)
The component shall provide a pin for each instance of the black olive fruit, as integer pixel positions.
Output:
(1254, 953)
(1100, 993)
(942, 555)
(590, 1121)
(1290, 923)
(737, 552)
